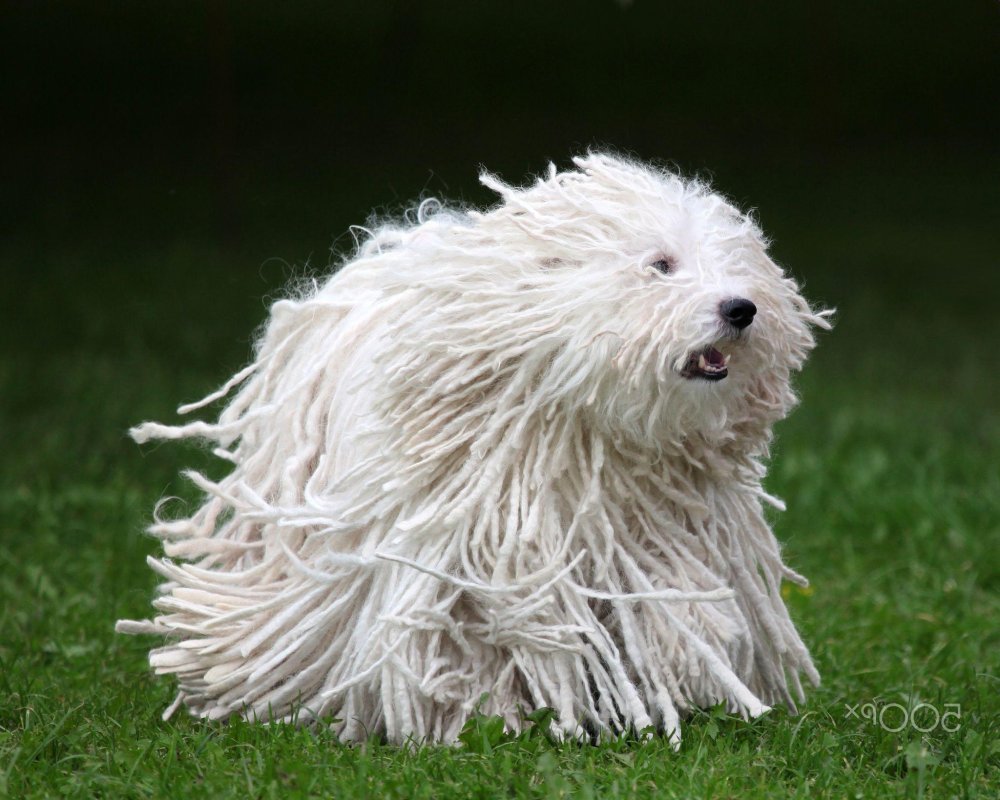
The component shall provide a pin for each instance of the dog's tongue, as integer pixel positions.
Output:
(715, 358)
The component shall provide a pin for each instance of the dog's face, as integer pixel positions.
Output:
(669, 300)
(616, 291)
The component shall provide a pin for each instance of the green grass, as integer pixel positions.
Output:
(889, 468)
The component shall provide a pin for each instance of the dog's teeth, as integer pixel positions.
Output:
(702, 363)
(725, 361)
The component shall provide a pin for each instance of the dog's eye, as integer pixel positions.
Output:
(663, 265)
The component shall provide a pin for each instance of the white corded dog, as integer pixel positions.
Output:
(516, 452)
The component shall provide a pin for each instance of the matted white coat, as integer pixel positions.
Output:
(474, 462)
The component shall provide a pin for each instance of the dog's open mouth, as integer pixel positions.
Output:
(709, 364)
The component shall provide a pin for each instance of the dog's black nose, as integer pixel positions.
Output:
(738, 312)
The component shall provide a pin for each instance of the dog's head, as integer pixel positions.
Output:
(630, 294)
(669, 299)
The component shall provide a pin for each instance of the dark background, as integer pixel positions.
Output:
(280, 124)
(168, 167)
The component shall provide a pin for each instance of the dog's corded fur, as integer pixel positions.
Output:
(476, 460)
